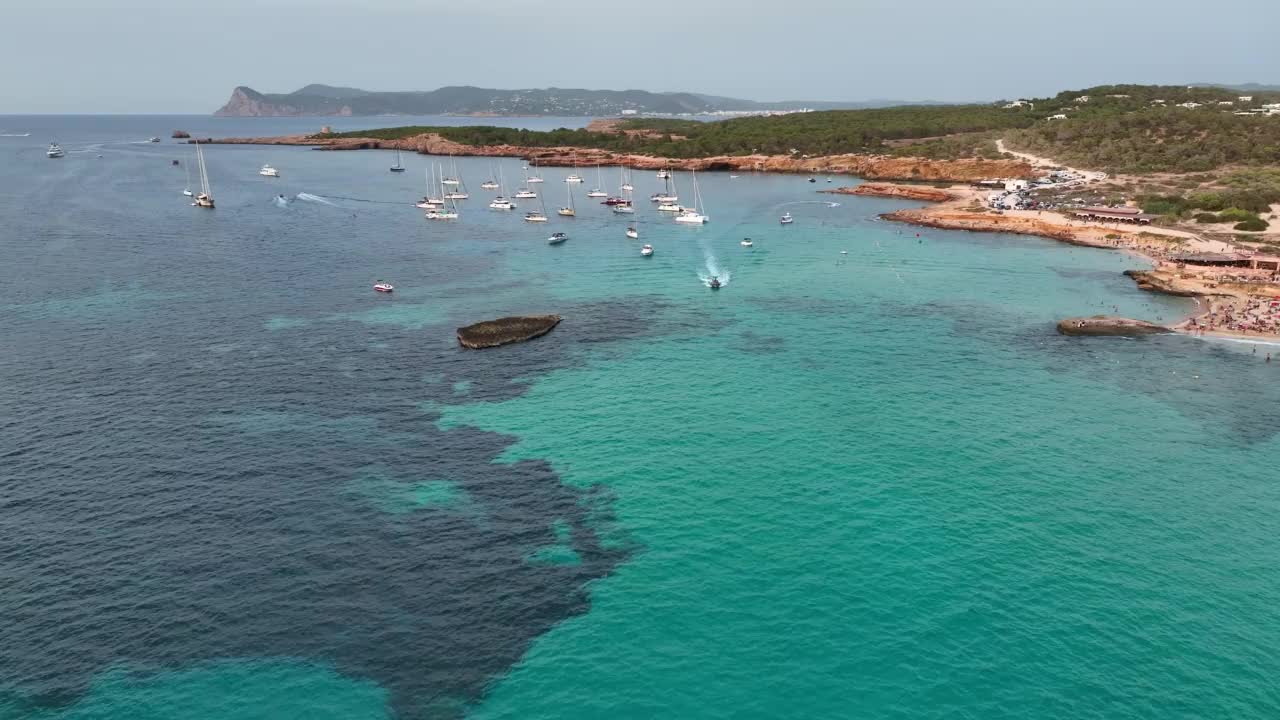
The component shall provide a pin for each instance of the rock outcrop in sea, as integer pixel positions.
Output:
(905, 192)
(1106, 325)
(503, 331)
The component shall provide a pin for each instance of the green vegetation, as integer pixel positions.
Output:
(1252, 225)
(1119, 129)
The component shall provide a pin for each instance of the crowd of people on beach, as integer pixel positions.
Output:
(1256, 315)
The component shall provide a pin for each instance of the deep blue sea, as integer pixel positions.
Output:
(865, 478)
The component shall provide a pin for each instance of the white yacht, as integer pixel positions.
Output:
(534, 178)
(633, 233)
(573, 179)
(664, 174)
(501, 203)
(670, 207)
(647, 250)
(597, 192)
(269, 171)
(526, 193)
(55, 151)
(489, 185)
(456, 195)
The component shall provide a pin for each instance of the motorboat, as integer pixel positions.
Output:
(557, 238)
(55, 151)
(573, 179)
(714, 284)
(734, 177)
(670, 207)
(786, 219)
(501, 203)
(813, 180)
(449, 181)
(489, 185)
(664, 198)
(205, 198)
(535, 216)
(746, 242)
(628, 187)
(154, 139)
(647, 250)
(268, 171)
(616, 201)
(526, 193)
(664, 174)
(383, 287)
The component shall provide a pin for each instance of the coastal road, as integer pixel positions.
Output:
(1037, 161)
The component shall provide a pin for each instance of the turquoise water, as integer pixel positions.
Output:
(872, 484)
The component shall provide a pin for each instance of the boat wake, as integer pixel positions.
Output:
(15, 134)
(308, 197)
(712, 269)
(281, 201)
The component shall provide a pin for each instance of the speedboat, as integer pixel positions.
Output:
(647, 250)
(670, 207)
(628, 187)
(573, 179)
(616, 201)
(746, 242)
(526, 193)
(501, 203)
(557, 238)
(489, 185)
(383, 286)
(714, 284)
(813, 180)
(188, 193)
(597, 192)
(55, 151)
(786, 219)
(535, 216)
(633, 233)
(154, 139)
(269, 171)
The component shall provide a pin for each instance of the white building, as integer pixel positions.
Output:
(1245, 98)
(1056, 117)
(1082, 99)
(1016, 185)
(1189, 105)
(1018, 104)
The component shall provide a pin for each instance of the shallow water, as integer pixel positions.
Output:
(238, 483)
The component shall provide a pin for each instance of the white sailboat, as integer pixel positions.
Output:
(187, 188)
(205, 198)
(443, 212)
(489, 184)
(694, 215)
(574, 177)
(428, 201)
(597, 191)
(459, 191)
(500, 202)
(398, 167)
(525, 192)
(568, 210)
(539, 215)
(453, 180)
(534, 178)
(625, 173)
(633, 229)
(668, 194)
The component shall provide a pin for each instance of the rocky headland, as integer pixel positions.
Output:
(889, 190)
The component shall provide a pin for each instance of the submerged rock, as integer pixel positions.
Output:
(1106, 325)
(492, 333)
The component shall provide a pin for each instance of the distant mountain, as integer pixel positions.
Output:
(319, 99)
(1243, 87)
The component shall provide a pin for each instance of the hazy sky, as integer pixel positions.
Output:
(176, 56)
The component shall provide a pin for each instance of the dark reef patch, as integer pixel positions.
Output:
(194, 504)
